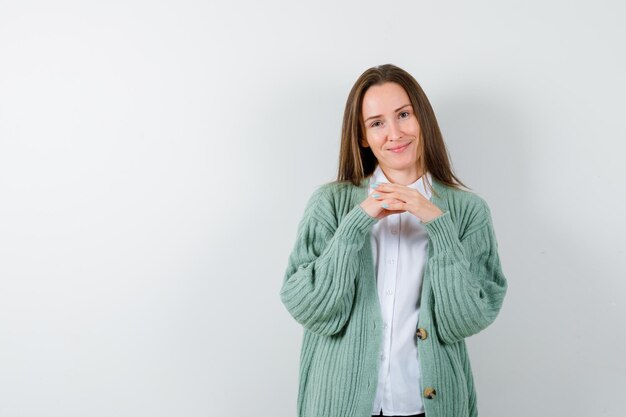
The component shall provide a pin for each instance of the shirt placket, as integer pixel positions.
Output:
(389, 296)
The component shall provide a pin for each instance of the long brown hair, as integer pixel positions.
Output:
(357, 162)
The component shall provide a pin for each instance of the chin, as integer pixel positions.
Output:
(400, 166)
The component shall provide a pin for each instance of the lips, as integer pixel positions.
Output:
(400, 148)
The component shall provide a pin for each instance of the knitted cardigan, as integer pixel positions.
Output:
(329, 287)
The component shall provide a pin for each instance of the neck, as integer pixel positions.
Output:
(402, 177)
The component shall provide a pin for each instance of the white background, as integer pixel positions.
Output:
(156, 157)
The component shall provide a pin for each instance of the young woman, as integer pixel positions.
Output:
(394, 265)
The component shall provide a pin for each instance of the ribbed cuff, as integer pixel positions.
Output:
(442, 233)
(355, 224)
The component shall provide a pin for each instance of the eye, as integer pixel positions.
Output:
(405, 112)
(374, 124)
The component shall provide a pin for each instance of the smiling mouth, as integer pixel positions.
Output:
(401, 148)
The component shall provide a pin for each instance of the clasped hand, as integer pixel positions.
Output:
(389, 199)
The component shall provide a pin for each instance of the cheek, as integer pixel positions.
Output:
(375, 139)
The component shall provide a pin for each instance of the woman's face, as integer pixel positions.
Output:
(391, 127)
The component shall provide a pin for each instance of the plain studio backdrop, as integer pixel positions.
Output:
(156, 158)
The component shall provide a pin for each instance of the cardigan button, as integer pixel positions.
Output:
(421, 334)
(430, 393)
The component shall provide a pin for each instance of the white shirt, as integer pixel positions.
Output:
(399, 246)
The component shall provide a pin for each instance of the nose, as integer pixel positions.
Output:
(395, 132)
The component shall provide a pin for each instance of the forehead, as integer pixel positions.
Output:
(384, 98)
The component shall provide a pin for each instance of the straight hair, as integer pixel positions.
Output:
(357, 162)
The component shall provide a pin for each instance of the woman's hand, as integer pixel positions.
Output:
(398, 199)
(374, 206)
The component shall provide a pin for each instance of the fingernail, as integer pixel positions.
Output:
(375, 195)
(385, 205)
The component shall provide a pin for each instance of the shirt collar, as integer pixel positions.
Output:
(379, 176)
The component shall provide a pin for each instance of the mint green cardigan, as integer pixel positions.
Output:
(329, 287)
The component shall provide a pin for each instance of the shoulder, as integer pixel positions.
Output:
(467, 200)
(329, 201)
(332, 192)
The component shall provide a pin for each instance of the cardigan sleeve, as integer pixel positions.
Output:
(466, 276)
(319, 283)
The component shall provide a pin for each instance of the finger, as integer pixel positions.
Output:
(386, 213)
(385, 196)
(385, 192)
(394, 190)
(388, 187)
(392, 196)
(394, 205)
(378, 196)
(385, 200)
(408, 195)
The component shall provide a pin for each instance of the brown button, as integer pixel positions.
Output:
(421, 334)
(429, 393)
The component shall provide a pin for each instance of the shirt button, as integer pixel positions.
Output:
(430, 393)
(386, 325)
(394, 231)
(389, 292)
(391, 261)
(421, 334)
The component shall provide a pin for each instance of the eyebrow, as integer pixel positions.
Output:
(380, 115)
